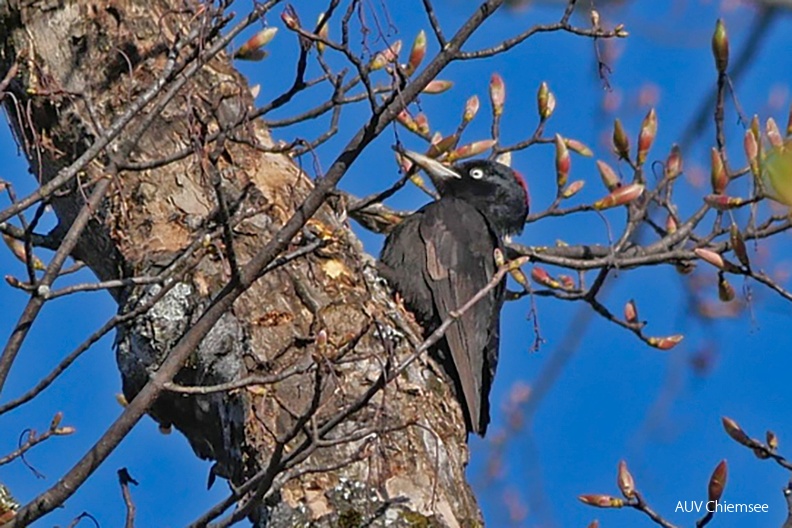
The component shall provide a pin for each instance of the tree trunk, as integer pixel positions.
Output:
(319, 331)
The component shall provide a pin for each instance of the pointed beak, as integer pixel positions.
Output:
(436, 170)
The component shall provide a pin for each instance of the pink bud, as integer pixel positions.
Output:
(621, 196)
(497, 90)
(19, 250)
(673, 167)
(625, 480)
(601, 501)
(437, 87)
(717, 482)
(671, 225)
(716, 260)
(773, 133)
(440, 145)
(471, 109)
(251, 49)
(734, 430)
(406, 120)
(718, 173)
(417, 53)
(388, 56)
(567, 282)
(573, 188)
(290, 18)
(471, 149)
(423, 124)
(631, 312)
(647, 135)
(65, 431)
(608, 175)
(595, 18)
(665, 343)
(710, 257)
(404, 164)
(563, 161)
(721, 202)
(751, 147)
(540, 276)
(578, 146)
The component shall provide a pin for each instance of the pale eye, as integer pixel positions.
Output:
(476, 174)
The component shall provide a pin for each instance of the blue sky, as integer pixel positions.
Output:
(615, 399)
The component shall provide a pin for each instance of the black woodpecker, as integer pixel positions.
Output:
(439, 257)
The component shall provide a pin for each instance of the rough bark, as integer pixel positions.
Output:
(324, 318)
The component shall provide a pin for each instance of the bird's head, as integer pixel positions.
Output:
(498, 191)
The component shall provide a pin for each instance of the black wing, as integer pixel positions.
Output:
(437, 259)
(402, 260)
(459, 263)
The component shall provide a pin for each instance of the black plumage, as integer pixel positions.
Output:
(439, 257)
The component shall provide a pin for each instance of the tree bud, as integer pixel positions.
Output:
(717, 482)
(665, 343)
(647, 135)
(497, 91)
(720, 47)
(621, 196)
(625, 480)
(673, 166)
(563, 161)
(718, 172)
(417, 53)
(608, 175)
(621, 144)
